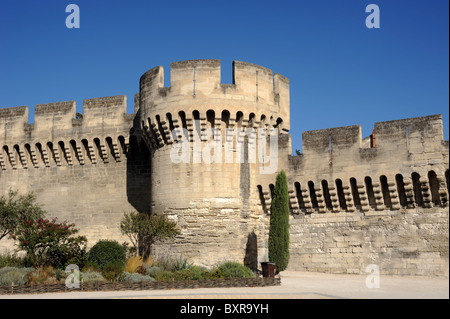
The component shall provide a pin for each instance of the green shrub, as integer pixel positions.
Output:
(214, 274)
(8, 260)
(107, 252)
(193, 273)
(171, 263)
(91, 276)
(235, 270)
(18, 276)
(196, 273)
(136, 277)
(164, 275)
(112, 270)
(152, 271)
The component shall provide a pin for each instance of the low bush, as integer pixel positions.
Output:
(135, 264)
(107, 252)
(18, 276)
(193, 273)
(214, 274)
(171, 263)
(42, 275)
(235, 270)
(91, 276)
(164, 275)
(136, 277)
(153, 271)
(8, 260)
(112, 270)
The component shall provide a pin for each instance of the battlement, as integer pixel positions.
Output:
(197, 83)
(12, 121)
(203, 77)
(256, 97)
(412, 129)
(326, 140)
(57, 137)
(61, 116)
(408, 138)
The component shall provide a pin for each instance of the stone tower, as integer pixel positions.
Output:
(213, 203)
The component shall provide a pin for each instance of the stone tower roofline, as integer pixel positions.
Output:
(195, 85)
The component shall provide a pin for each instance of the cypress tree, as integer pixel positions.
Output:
(279, 224)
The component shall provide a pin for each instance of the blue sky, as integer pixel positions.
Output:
(341, 73)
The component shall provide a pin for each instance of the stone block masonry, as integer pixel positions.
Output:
(354, 201)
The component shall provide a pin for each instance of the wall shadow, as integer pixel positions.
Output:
(139, 174)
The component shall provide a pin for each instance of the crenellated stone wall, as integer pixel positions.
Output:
(381, 199)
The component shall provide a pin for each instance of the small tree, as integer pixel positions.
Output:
(50, 243)
(14, 209)
(144, 230)
(279, 224)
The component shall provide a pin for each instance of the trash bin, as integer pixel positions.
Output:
(268, 269)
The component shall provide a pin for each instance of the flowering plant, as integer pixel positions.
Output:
(49, 242)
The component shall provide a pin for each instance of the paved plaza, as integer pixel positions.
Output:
(294, 285)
